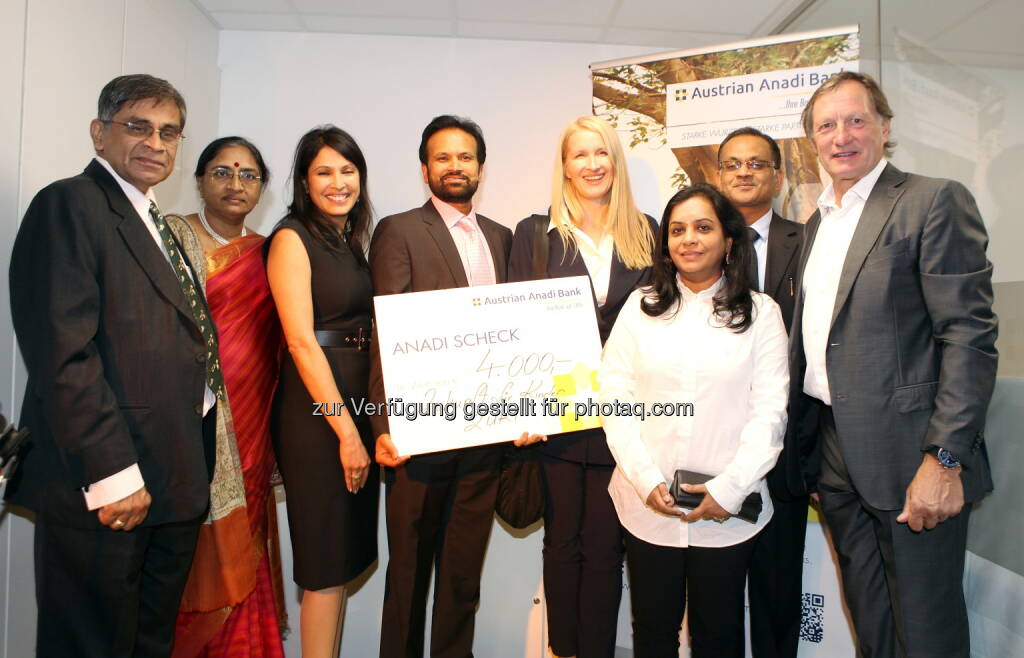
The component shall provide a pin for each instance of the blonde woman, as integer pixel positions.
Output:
(593, 228)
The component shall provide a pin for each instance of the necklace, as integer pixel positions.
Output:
(220, 239)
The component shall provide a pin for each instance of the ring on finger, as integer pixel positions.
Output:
(118, 523)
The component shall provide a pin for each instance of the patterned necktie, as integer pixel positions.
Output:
(214, 378)
(479, 273)
(754, 278)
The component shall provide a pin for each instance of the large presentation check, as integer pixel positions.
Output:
(471, 366)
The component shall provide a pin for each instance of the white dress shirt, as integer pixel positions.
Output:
(597, 257)
(763, 225)
(737, 383)
(823, 271)
(126, 482)
(451, 217)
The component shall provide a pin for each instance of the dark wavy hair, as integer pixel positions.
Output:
(357, 226)
(221, 143)
(733, 303)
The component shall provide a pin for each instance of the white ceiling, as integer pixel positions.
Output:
(668, 24)
(966, 32)
(979, 32)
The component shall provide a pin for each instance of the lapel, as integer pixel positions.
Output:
(442, 237)
(561, 265)
(558, 260)
(139, 240)
(874, 217)
(782, 243)
(493, 237)
(796, 328)
(621, 283)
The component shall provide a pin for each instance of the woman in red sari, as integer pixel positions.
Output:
(232, 604)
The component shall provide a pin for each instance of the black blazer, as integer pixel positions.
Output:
(116, 365)
(783, 257)
(784, 238)
(586, 446)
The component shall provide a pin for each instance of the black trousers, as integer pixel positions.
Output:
(775, 581)
(904, 589)
(439, 517)
(660, 580)
(582, 559)
(110, 594)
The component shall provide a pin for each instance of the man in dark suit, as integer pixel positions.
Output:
(750, 175)
(439, 506)
(118, 389)
(894, 350)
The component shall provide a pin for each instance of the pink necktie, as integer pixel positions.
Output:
(480, 273)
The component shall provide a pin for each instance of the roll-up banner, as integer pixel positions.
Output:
(673, 109)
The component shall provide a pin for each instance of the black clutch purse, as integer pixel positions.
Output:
(749, 510)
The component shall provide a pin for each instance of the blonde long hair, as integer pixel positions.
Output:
(630, 230)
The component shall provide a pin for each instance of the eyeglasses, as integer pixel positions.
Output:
(225, 175)
(752, 165)
(143, 129)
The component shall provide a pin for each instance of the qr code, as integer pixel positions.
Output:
(812, 618)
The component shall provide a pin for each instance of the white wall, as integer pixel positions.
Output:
(55, 56)
(384, 90)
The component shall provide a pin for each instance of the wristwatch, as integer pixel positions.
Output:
(945, 457)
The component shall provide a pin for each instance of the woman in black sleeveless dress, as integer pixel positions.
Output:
(321, 286)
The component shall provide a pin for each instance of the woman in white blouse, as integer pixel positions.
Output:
(697, 334)
(592, 229)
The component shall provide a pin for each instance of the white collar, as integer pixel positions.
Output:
(861, 189)
(709, 292)
(583, 237)
(138, 199)
(763, 224)
(450, 214)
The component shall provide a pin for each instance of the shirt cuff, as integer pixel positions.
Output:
(725, 495)
(648, 480)
(113, 488)
(209, 400)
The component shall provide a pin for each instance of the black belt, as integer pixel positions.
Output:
(333, 338)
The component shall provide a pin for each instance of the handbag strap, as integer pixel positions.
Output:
(540, 246)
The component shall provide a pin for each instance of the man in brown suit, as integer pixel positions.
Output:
(439, 506)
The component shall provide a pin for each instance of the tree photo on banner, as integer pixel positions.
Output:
(687, 102)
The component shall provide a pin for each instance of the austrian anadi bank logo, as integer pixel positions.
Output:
(680, 94)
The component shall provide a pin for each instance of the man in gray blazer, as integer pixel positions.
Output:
(893, 348)
(439, 506)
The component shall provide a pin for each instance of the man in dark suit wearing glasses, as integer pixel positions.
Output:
(123, 376)
(750, 176)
